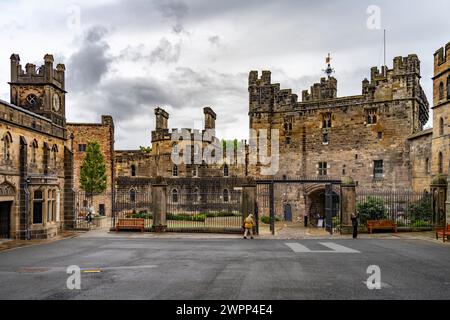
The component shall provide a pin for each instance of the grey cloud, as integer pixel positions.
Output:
(165, 51)
(173, 9)
(90, 62)
(214, 40)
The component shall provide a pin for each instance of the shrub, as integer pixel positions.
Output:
(420, 224)
(142, 215)
(266, 219)
(371, 209)
(420, 210)
(186, 217)
(221, 214)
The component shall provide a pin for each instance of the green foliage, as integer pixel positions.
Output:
(266, 219)
(421, 224)
(371, 209)
(145, 149)
(222, 214)
(187, 217)
(420, 210)
(142, 215)
(93, 170)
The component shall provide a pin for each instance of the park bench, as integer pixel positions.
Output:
(129, 224)
(382, 225)
(444, 232)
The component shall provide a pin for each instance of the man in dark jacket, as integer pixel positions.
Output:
(354, 219)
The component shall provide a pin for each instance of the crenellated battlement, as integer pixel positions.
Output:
(442, 55)
(325, 89)
(38, 75)
(401, 67)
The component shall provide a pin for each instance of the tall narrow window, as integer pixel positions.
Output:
(37, 207)
(7, 140)
(174, 195)
(132, 195)
(194, 171)
(34, 146)
(54, 156)
(448, 87)
(323, 166)
(174, 148)
(226, 195)
(371, 116)
(440, 163)
(378, 169)
(51, 213)
(325, 138)
(441, 126)
(326, 120)
(427, 165)
(441, 91)
(196, 195)
(226, 172)
(175, 170)
(133, 170)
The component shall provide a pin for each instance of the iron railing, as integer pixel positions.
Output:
(408, 209)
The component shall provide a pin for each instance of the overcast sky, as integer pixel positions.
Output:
(124, 58)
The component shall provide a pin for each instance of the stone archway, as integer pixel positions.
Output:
(315, 205)
(7, 195)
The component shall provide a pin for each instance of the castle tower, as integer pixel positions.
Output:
(210, 118)
(441, 112)
(40, 90)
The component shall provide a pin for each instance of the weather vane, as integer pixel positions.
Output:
(328, 71)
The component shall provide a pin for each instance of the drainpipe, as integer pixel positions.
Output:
(27, 201)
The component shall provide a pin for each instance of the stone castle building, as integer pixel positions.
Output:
(36, 160)
(376, 137)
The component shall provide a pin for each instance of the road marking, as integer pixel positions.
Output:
(335, 248)
(297, 247)
(338, 248)
(383, 284)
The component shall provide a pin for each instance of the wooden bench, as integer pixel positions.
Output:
(444, 232)
(130, 224)
(382, 225)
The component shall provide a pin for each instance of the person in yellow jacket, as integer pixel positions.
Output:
(248, 226)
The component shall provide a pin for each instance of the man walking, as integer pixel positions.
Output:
(248, 226)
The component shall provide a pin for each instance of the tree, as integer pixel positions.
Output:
(371, 209)
(93, 170)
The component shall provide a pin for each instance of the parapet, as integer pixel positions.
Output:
(264, 80)
(33, 74)
(326, 89)
(401, 66)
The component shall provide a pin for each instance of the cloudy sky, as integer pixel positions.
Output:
(126, 57)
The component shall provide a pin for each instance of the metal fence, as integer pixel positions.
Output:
(410, 210)
(204, 212)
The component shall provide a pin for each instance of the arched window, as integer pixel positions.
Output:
(37, 206)
(132, 195)
(226, 195)
(440, 163)
(427, 165)
(175, 170)
(54, 156)
(174, 195)
(34, 146)
(133, 170)
(441, 91)
(7, 140)
(226, 172)
(196, 195)
(174, 148)
(448, 87)
(441, 126)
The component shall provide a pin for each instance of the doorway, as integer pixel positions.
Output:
(5, 220)
(287, 212)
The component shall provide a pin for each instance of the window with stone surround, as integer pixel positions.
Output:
(194, 171)
(226, 172)
(175, 170)
(441, 126)
(38, 199)
(7, 140)
(326, 120)
(441, 91)
(378, 169)
(325, 138)
(226, 195)
(371, 116)
(427, 165)
(132, 196)
(174, 195)
(82, 147)
(440, 163)
(322, 166)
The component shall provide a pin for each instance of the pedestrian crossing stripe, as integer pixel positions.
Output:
(335, 248)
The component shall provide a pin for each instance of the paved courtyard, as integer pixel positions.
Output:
(129, 266)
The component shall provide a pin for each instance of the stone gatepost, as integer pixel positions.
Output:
(438, 189)
(248, 204)
(159, 204)
(348, 203)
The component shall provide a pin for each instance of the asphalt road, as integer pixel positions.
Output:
(123, 268)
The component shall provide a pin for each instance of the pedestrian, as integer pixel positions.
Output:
(248, 226)
(354, 219)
